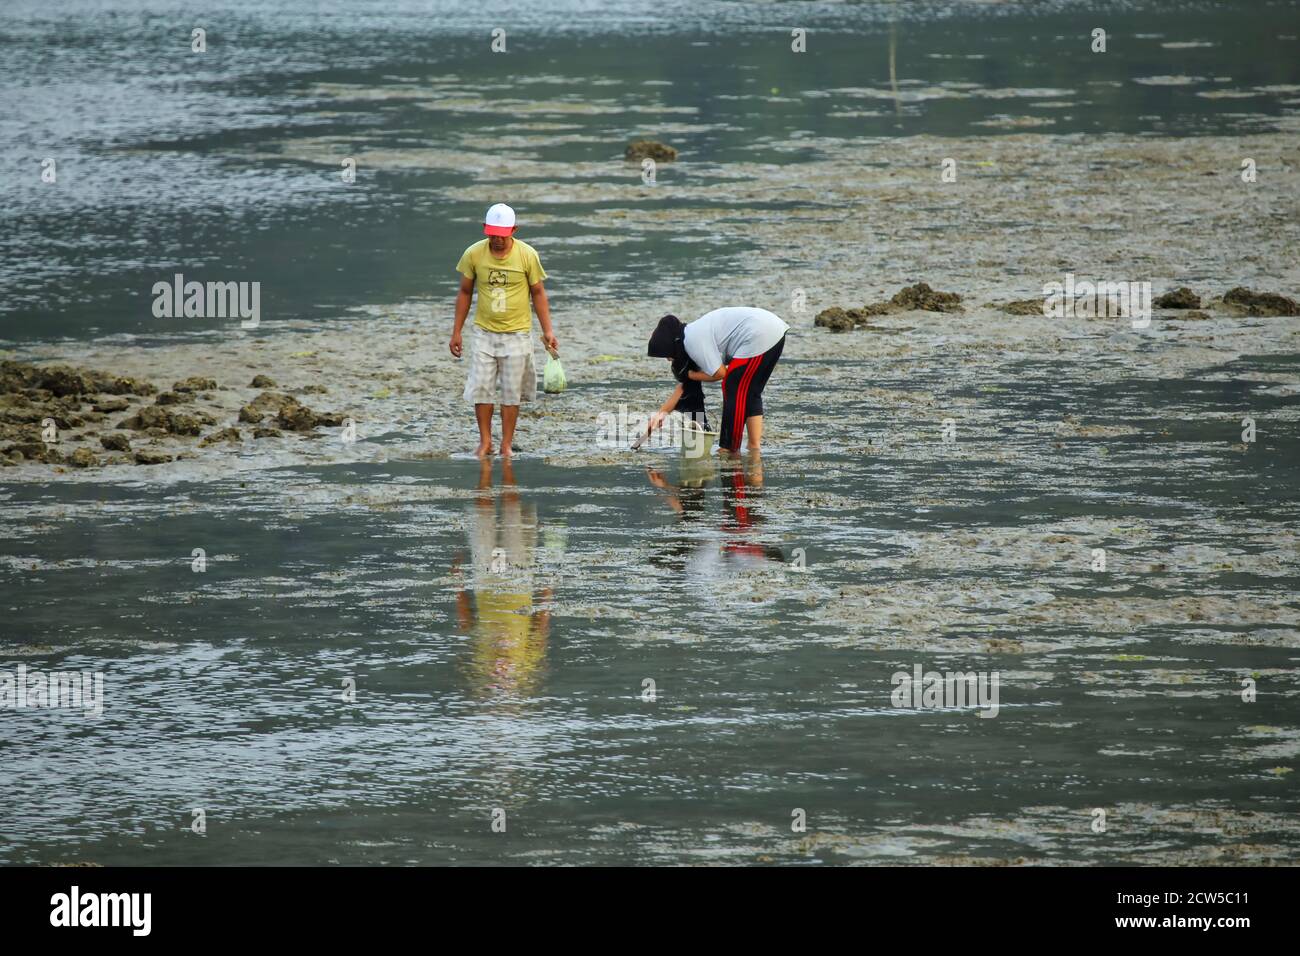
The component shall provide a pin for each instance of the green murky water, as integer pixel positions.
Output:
(499, 628)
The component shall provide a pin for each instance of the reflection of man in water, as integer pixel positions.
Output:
(705, 554)
(740, 496)
(508, 636)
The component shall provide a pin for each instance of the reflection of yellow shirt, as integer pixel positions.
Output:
(504, 303)
(509, 646)
(507, 617)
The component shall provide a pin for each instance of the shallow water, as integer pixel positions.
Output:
(520, 688)
(500, 628)
(226, 165)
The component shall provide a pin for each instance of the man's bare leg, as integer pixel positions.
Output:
(754, 426)
(483, 413)
(509, 416)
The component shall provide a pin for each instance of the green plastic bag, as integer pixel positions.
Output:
(553, 380)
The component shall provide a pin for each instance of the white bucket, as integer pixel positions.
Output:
(696, 442)
(695, 472)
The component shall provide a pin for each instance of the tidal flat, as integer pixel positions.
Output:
(354, 648)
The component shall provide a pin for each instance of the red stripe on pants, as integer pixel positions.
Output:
(738, 426)
(736, 365)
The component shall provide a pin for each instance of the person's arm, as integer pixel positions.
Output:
(667, 487)
(464, 607)
(463, 296)
(704, 353)
(543, 307)
(541, 620)
(665, 409)
(717, 376)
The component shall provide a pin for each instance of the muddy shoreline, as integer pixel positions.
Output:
(1174, 213)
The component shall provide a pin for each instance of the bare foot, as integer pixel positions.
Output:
(483, 451)
(506, 451)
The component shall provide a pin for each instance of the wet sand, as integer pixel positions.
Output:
(1025, 210)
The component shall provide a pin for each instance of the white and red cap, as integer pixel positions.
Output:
(499, 221)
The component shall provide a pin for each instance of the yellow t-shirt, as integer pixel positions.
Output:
(504, 303)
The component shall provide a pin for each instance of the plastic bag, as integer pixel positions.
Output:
(553, 380)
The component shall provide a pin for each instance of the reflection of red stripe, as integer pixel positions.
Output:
(738, 426)
(742, 513)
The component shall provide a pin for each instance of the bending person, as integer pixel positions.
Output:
(738, 346)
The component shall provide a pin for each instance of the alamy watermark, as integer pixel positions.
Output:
(1098, 300)
(179, 299)
(70, 690)
(75, 908)
(923, 689)
(619, 430)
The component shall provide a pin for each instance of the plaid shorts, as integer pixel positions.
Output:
(502, 544)
(501, 369)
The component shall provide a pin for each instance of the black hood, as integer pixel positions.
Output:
(666, 341)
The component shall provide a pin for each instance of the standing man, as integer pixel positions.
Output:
(508, 276)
